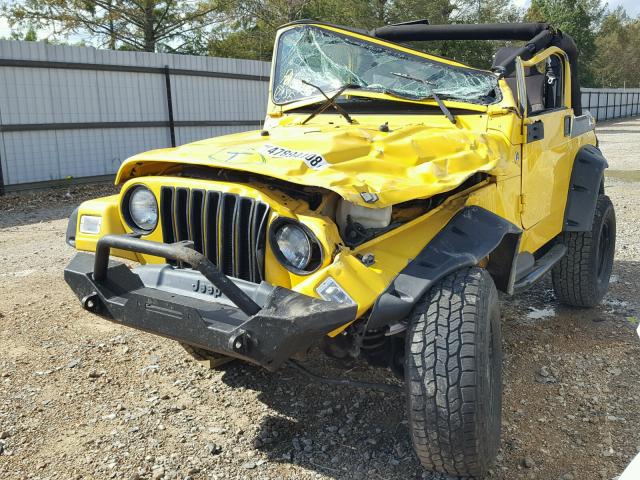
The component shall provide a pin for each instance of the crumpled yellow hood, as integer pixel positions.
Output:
(362, 164)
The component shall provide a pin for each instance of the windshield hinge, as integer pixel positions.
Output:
(498, 112)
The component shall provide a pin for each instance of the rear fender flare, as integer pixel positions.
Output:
(470, 236)
(587, 181)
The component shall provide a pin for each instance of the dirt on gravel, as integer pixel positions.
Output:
(81, 397)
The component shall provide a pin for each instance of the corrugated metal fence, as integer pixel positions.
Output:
(73, 112)
(611, 103)
(79, 112)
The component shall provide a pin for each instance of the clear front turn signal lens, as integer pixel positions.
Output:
(331, 291)
(90, 224)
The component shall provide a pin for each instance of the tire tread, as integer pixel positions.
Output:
(442, 375)
(574, 278)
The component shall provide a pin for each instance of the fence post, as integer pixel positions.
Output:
(1, 179)
(626, 104)
(1, 173)
(172, 125)
(620, 108)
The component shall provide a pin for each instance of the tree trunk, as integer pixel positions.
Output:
(149, 21)
(381, 12)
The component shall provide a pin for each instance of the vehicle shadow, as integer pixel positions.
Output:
(344, 432)
(340, 432)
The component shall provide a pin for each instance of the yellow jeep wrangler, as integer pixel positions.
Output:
(388, 198)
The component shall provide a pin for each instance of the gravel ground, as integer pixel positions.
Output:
(83, 398)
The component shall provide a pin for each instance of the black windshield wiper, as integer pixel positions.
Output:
(330, 101)
(433, 94)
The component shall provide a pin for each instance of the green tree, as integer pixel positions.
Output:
(253, 24)
(29, 36)
(579, 18)
(146, 25)
(618, 51)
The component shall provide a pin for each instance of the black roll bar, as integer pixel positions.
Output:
(419, 32)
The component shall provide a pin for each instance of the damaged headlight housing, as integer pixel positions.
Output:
(140, 209)
(295, 246)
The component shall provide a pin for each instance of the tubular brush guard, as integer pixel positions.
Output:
(262, 324)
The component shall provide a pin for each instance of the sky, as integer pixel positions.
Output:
(632, 7)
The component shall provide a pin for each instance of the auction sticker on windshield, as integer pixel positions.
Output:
(313, 160)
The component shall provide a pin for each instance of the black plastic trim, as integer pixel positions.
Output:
(471, 235)
(586, 178)
(316, 246)
(72, 227)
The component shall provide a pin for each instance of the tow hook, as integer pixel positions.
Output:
(91, 302)
(241, 342)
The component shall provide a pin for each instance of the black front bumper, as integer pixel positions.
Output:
(262, 324)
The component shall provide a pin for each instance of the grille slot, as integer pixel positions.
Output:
(228, 229)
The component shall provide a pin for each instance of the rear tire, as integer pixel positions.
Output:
(453, 371)
(581, 277)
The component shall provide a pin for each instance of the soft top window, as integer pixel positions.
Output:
(331, 60)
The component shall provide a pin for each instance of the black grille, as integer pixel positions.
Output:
(228, 229)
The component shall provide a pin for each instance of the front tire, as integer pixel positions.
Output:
(453, 370)
(581, 277)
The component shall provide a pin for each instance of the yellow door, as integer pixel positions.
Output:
(545, 160)
(546, 150)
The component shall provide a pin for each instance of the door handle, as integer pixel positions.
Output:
(567, 126)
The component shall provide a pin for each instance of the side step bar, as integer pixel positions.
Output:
(541, 266)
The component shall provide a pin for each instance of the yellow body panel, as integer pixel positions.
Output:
(419, 157)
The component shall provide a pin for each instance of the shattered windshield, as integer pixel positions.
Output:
(331, 60)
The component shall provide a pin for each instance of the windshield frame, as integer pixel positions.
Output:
(360, 92)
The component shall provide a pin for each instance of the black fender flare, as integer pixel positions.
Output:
(586, 183)
(471, 235)
(70, 236)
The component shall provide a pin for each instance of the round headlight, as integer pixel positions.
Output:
(143, 209)
(294, 245)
